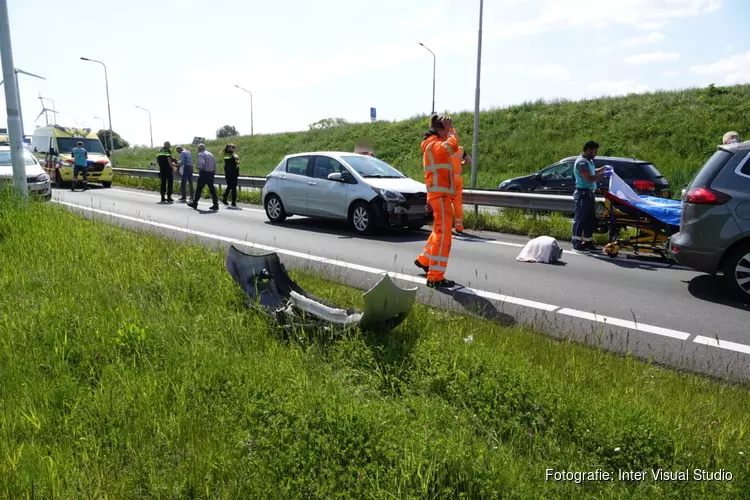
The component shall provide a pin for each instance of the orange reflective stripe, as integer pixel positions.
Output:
(433, 185)
(439, 244)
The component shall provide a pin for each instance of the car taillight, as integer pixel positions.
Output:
(644, 185)
(706, 196)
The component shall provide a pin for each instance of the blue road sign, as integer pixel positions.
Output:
(373, 115)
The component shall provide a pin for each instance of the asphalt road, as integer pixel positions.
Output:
(671, 316)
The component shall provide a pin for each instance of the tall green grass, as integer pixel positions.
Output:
(676, 130)
(130, 367)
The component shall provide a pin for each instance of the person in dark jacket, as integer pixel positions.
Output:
(166, 172)
(231, 173)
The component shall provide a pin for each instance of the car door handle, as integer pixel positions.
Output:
(311, 183)
(283, 176)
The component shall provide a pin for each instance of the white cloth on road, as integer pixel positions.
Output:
(543, 249)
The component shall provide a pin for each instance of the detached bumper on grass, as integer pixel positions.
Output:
(265, 280)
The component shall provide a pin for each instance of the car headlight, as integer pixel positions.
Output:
(108, 164)
(389, 195)
(37, 178)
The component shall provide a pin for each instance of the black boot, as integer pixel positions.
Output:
(444, 283)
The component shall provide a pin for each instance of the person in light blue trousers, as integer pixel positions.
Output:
(186, 172)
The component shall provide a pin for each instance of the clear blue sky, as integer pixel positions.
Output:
(305, 61)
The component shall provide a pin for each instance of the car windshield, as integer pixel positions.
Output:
(5, 160)
(367, 166)
(66, 145)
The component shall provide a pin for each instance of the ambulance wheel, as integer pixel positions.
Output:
(107, 184)
(58, 179)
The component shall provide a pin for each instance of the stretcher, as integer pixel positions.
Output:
(647, 221)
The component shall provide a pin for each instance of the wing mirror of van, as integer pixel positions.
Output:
(52, 152)
(107, 151)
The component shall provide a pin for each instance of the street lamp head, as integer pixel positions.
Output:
(85, 59)
(420, 43)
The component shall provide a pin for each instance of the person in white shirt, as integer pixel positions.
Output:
(731, 138)
(206, 175)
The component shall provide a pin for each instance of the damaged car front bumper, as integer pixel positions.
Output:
(274, 293)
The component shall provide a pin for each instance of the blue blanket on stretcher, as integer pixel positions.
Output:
(662, 209)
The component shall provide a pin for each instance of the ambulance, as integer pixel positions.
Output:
(54, 143)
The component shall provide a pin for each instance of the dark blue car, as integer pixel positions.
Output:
(558, 178)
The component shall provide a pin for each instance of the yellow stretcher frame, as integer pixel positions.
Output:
(651, 235)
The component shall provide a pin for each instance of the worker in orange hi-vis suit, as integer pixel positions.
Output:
(459, 159)
(440, 142)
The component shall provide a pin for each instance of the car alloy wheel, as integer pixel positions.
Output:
(275, 209)
(742, 274)
(361, 219)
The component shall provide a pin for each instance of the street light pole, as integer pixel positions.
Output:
(12, 104)
(251, 107)
(150, 130)
(101, 120)
(16, 71)
(109, 111)
(475, 145)
(434, 65)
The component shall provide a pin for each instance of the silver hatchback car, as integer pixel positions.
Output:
(37, 180)
(360, 189)
(715, 223)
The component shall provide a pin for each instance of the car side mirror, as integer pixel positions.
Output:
(335, 176)
(538, 177)
(107, 151)
(52, 152)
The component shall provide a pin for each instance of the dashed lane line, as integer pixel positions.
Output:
(722, 344)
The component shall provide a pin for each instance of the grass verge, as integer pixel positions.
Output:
(130, 367)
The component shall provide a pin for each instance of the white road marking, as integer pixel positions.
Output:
(632, 325)
(238, 209)
(134, 191)
(641, 327)
(722, 344)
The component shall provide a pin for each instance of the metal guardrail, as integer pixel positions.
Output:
(480, 197)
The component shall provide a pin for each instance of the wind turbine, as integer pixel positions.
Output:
(16, 71)
(44, 112)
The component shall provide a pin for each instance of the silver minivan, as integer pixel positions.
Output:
(715, 222)
(360, 189)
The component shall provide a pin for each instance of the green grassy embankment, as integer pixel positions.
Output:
(130, 367)
(675, 130)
